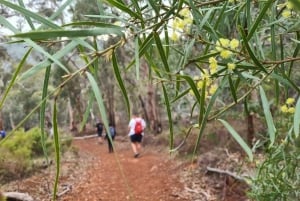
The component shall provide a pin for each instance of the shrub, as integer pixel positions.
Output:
(18, 152)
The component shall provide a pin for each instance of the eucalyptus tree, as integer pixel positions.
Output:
(240, 47)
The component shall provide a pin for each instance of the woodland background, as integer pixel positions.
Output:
(182, 64)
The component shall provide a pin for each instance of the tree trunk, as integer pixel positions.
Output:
(253, 98)
(151, 115)
(72, 123)
(111, 105)
(12, 123)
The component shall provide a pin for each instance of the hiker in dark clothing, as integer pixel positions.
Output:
(112, 134)
(99, 127)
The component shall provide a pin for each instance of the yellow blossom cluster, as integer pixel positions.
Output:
(287, 12)
(210, 87)
(181, 24)
(226, 49)
(288, 107)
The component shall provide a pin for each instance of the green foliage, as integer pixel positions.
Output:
(19, 151)
(200, 49)
(278, 175)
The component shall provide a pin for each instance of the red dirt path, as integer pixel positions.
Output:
(118, 177)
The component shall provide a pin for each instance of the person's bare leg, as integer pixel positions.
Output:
(134, 148)
(138, 147)
(100, 141)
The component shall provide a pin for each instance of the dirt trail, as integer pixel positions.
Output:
(120, 176)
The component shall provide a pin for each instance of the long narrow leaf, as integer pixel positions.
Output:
(31, 43)
(124, 8)
(120, 81)
(33, 70)
(30, 14)
(39, 35)
(297, 118)
(21, 3)
(210, 104)
(168, 107)
(260, 17)
(193, 86)
(250, 52)
(14, 77)
(161, 52)
(181, 95)
(268, 116)
(43, 110)
(232, 89)
(92, 23)
(99, 99)
(137, 58)
(238, 138)
(57, 150)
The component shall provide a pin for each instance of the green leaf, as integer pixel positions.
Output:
(193, 86)
(181, 95)
(238, 138)
(232, 89)
(203, 122)
(92, 23)
(260, 17)
(13, 79)
(250, 52)
(39, 35)
(21, 3)
(168, 106)
(57, 150)
(161, 52)
(120, 81)
(137, 58)
(125, 9)
(30, 14)
(98, 96)
(154, 6)
(43, 110)
(32, 71)
(297, 118)
(268, 116)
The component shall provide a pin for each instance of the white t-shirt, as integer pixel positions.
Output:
(132, 123)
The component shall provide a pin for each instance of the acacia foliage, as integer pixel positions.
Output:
(200, 50)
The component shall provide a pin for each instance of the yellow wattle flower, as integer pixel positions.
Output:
(174, 36)
(284, 109)
(291, 110)
(199, 85)
(234, 43)
(286, 14)
(213, 70)
(213, 89)
(231, 66)
(212, 60)
(290, 101)
(224, 42)
(225, 54)
(185, 12)
(188, 20)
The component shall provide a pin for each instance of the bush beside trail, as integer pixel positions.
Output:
(23, 153)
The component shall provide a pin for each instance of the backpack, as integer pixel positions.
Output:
(138, 128)
(112, 131)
